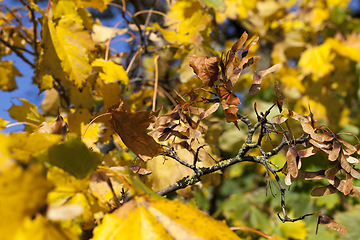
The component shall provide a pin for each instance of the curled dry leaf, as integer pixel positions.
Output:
(229, 102)
(327, 221)
(257, 78)
(322, 191)
(57, 127)
(206, 69)
(291, 160)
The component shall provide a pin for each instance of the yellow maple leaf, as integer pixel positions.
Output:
(110, 71)
(27, 112)
(150, 218)
(70, 190)
(317, 60)
(71, 44)
(7, 75)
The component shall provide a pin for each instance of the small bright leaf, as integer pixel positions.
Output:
(150, 218)
(111, 72)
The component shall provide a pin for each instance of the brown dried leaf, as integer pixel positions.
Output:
(57, 127)
(229, 65)
(322, 191)
(327, 221)
(131, 127)
(206, 69)
(257, 77)
(291, 160)
(228, 102)
(334, 154)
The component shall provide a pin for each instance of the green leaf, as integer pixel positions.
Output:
(72, 156)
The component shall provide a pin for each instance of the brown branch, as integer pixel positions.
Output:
(17, 52)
